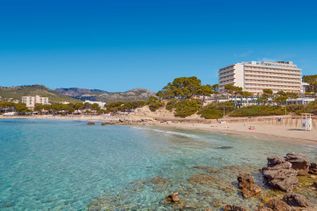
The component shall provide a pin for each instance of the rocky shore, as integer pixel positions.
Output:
(286, 183)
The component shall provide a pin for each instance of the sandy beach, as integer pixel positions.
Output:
(284, 127)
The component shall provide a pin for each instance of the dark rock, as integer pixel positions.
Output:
(281, 175)
(278, 205)
(173, 198)
(299, 162)
(247, 186)
(296, 200)
(233, 208)
(207, 169)
(224, 147)
(90, 123)
(274, 160)
(315, 185)
(106, 123)
(313, 168)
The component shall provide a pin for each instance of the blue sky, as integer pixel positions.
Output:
(120, 44)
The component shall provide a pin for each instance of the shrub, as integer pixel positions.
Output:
(258, 111)
(170, 105)
(295, 108)
(311, 108)
(186, 108)
(154, 103)
(216, 110)
(124, 106)
(210, 113)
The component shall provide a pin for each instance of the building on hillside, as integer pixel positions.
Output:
(31, 101)
(300, 101)
(99, 103)
(304, 87)
(258, 75)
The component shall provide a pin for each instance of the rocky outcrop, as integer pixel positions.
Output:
(279, 174)
(299, 162)
(296, 200)
(247, 186)
(233, 208)
(173, 198)
(313, 168)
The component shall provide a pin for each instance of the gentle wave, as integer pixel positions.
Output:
(169, 132)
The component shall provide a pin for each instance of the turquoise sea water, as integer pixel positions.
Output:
(67, 165)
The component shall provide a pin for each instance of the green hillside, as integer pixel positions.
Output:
(312, 81)
(18, 91)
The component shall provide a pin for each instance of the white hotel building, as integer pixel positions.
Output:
(256, 76)
(31, 101)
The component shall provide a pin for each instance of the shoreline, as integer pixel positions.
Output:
(236, 128)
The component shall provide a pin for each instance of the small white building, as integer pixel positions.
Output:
(100, 104)
(31, 101)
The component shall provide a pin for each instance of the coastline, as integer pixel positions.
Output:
(237, 127)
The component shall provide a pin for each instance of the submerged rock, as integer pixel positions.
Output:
(296, 200)
(202, 179)
(224, 147)
(247, 186)
(313, 168)
(233, 208)
(91, 123)
(160, 181)
(173, 198)
(106, 123)
(208, 169)
(279, 174)
(299, 162)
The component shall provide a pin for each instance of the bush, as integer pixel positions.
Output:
(210, 113)
(170, 105)
(258, 111)
(124, 106)
(295, 108)
(154, 103)
(311, 108)
(216, 110)
(186, 108)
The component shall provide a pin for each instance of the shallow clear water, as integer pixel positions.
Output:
(66, 165)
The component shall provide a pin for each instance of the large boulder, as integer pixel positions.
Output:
(247, 186)
(313, 168)
(279, 174)
(276, 205)
(299, 162)
(233, 208)
(296, 200)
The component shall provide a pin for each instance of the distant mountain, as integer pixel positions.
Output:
(16, 92)
(100, 95)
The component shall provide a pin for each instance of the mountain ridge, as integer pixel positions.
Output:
(105, 96)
